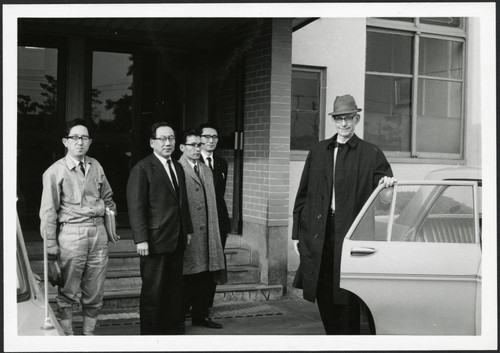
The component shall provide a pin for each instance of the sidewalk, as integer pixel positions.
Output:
(290, 316)
(277, 317)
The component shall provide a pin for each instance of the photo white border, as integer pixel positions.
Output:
(488, 338)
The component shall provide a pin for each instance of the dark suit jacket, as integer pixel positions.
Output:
(156, 214)
(220, 179)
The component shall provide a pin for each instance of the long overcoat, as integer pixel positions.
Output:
(359, 168)
(204, 250)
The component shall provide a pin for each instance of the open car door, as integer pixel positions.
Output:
(413, 255)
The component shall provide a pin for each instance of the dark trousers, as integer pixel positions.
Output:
(162, 293)
(338, 319)
(222, 275)
(197, 291)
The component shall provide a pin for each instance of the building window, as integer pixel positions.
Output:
(414, 87)
(307, 111)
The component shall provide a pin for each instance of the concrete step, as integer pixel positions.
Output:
(128, 300)
(123, 282)
(243, 274)
(238, 257)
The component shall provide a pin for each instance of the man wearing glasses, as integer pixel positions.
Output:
(204, 256)
(338, 177)
(74, 198)
(218, 165)
(160, 221)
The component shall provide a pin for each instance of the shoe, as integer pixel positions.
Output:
(206, 322)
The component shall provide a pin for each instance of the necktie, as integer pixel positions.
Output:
(82, 168)
(196, 170)
(210, 163)
(172, 175)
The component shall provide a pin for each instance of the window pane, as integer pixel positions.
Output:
(305, 109)
(455, 22)
(439, 120)
(440, 58)
(112, 77)
(387, 52)
(387, 118)
(111, 90)
(451, 219)
(304, 130)
(374, 224)
(39, 139)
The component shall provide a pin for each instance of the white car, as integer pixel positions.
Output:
(33, 317)
(413, 255)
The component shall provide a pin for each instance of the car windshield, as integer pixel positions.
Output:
(422, 213)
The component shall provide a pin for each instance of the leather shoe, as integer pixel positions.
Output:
(206, 322)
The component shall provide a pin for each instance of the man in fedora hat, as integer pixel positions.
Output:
(338, 177)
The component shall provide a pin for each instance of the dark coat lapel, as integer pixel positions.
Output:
(159, 169)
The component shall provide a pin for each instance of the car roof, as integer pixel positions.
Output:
(456, 173)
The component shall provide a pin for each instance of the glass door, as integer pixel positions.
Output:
(111, 119)
(39, 126)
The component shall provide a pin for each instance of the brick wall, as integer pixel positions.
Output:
(267, 126)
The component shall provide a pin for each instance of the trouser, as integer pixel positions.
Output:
(83, 262)
(198, 290)
(222, 275)
(338, 318)
(161, 303)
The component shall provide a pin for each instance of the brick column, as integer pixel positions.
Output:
(267, 148)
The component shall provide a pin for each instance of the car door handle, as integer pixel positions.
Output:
(362, 251)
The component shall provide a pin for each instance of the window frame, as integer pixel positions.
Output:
(417, 31)
(301, 155)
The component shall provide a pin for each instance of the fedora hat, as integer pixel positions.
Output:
(344, 105)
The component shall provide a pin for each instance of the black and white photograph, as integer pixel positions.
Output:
(249, 176)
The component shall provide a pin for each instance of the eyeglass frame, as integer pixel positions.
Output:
(348, 118)
(195, 145)
(208, 137)
(164, 139)
(75, 138)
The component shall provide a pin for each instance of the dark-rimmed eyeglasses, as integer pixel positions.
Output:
(213, 137)
(164, 139)
(196, 145)
(346, 118)
(75, 138)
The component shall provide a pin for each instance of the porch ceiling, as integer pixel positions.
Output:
(188, 31)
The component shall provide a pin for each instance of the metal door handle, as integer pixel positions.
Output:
(362, 251)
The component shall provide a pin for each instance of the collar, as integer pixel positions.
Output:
(72, 162)
(163, 160)
(192, 164)
(205, 154)
(352, 142)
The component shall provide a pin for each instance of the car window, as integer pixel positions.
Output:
(373, 225)
(422, 213)
(451, 218)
